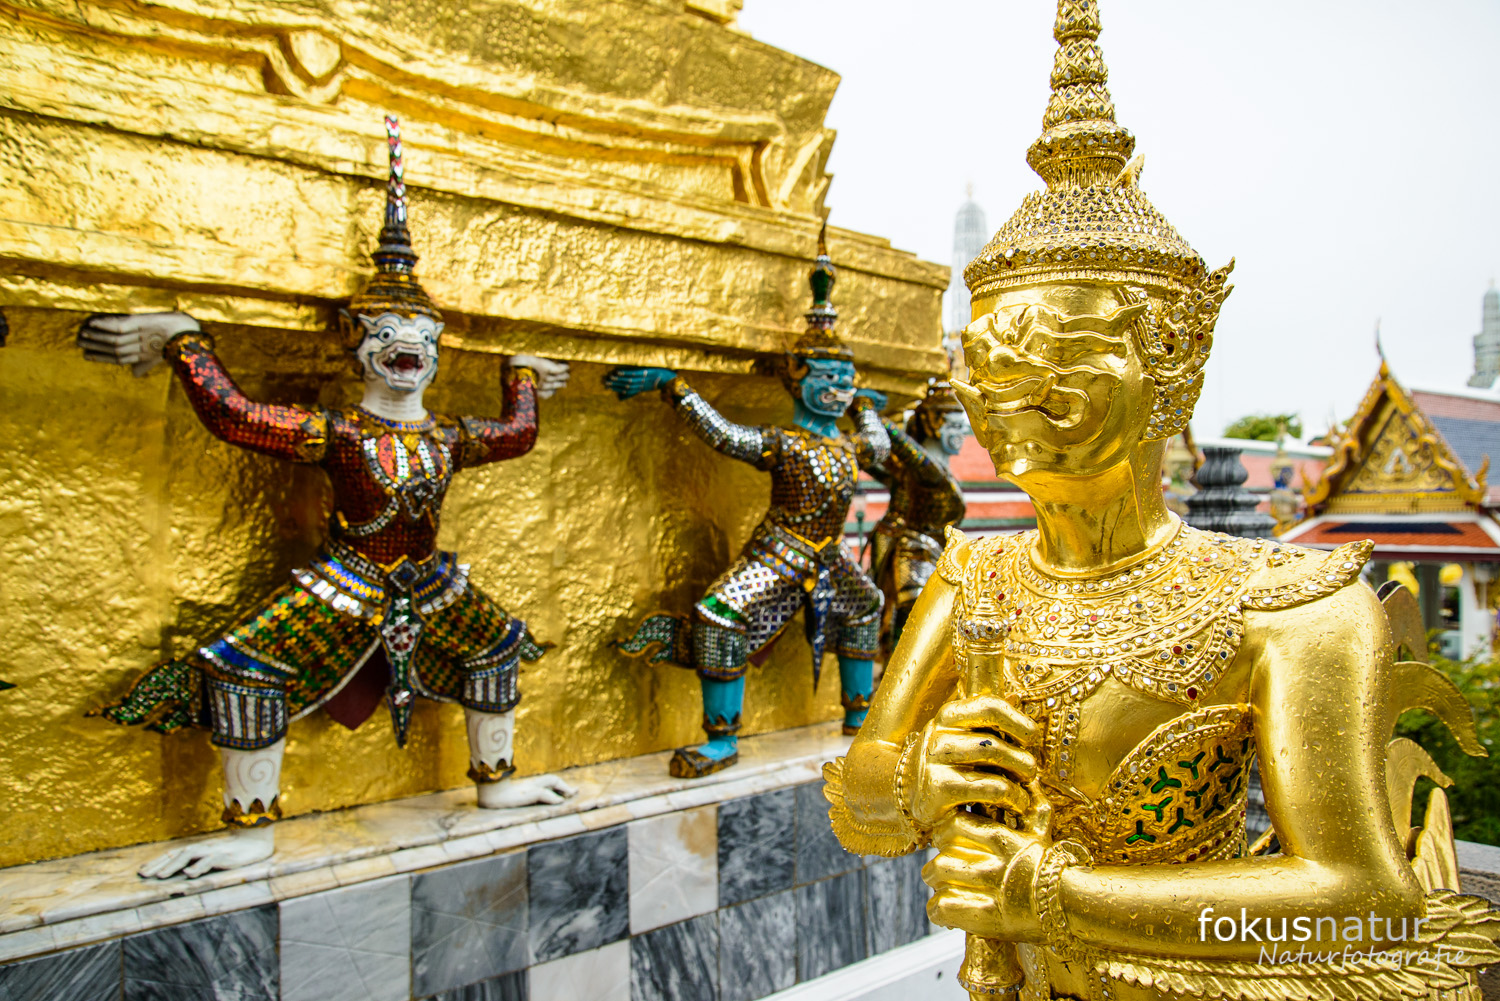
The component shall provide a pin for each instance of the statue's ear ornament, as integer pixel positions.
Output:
(1175, 340)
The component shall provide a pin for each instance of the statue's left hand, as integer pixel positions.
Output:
(546, 789)
(626, 381)
(551, 375)
(135, 339)
(984, 878)
(875, 396)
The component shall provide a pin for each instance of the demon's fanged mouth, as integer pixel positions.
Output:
(405, 362)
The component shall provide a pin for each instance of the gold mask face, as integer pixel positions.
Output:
(1057, 381)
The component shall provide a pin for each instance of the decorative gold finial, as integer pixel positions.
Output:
(1092, 218)
(819, 340)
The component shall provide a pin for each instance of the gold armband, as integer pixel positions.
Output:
(524, 374)
(175, 344)
(676, 389)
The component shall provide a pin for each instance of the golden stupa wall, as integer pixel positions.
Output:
(623, 181)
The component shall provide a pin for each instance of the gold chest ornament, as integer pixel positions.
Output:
(1168, 628)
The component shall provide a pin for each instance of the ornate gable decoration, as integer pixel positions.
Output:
(1391, 459)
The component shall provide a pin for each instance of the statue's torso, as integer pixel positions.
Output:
(1140, 682)
(389, 482)
(812, 484)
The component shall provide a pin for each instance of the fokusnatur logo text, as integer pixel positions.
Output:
(1349, 939)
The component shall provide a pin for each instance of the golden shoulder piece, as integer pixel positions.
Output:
(951, 564)
(1338, 569)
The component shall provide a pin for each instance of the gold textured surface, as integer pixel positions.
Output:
(611, 182)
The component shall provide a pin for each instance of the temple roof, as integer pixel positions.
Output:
(1469, 424)
(1409, 454)
(1467, 536)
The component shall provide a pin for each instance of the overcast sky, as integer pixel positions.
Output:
(1344, 153)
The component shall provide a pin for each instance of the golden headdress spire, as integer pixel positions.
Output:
(1093, 217)
(1094, 224)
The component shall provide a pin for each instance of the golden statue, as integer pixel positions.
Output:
(1071, 715)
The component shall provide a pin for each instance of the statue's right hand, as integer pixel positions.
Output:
(131, 339)
(976, 750)
(626, 381)
(226, 851)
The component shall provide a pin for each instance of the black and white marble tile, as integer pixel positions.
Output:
(231, 957)
(757, 845)
(507, 987)
(349, 944)
(819, 854)
(897, 897)
(468, 923)
(580, 893)
(830, 925)
(758, 947)
(677, 963)
(91, 973)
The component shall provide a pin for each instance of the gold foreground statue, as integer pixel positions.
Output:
(1071, 715)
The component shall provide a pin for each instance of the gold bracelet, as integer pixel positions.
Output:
(1048, 896)
(483, 774)
(257, 814)
(522, 373)
(915, 830)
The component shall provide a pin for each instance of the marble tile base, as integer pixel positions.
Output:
(601, 974)
(897, 898)
(676, 963)
(713, 891)
(88, 974)
(758, 947)
(674, 868)
(510, 987)
(350, 944)
(830, 925)
(468, 923)
(819, 854)
(757, 845)
(231, 957)
(579, 893)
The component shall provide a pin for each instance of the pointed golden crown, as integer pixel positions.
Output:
(1093, 223)
(1092, 220)
(939, 401)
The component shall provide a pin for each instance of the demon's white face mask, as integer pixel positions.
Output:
(401, 351)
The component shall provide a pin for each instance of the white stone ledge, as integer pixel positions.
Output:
(87, 898)
(925, 970)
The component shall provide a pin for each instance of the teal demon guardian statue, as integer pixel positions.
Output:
(796, 557)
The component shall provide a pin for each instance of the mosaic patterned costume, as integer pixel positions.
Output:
(796, 557)
(379, 582)
(925, 500)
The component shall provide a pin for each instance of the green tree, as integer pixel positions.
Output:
(1475, 796)
(1265, 427)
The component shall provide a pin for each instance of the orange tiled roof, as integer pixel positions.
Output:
(1398, 535)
